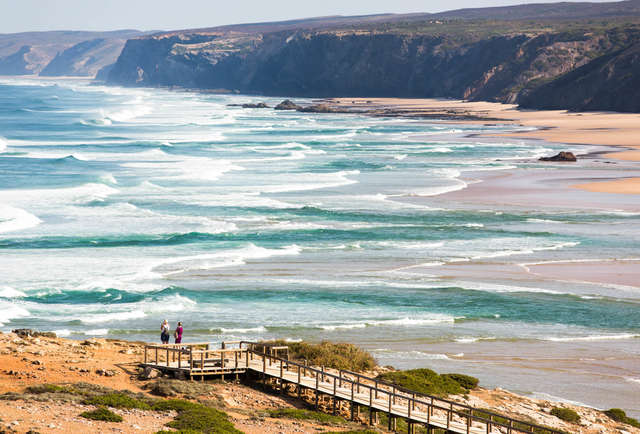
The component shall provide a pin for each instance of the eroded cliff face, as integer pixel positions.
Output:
(508, 68)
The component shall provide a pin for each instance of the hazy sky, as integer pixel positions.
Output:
(29, 15)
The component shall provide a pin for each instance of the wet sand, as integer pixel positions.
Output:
(621, 130)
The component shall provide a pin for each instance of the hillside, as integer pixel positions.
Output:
(479, 59)
(60, 52)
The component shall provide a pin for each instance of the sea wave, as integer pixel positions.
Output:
(612, 337)
(15, 219)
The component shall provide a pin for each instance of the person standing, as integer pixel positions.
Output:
(178, 333)
(164, 332)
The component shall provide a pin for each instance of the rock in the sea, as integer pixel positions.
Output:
(321, 108)
(33, 333)
(287, 105)
(562, 156)
(249, 105)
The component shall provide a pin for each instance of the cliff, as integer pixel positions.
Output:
(59, 53)
(477, 60)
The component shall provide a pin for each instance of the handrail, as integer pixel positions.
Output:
(412, 401)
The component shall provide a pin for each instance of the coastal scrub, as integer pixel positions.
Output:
(430, 382)
(102, 414)
(330, 355)
(565, 414)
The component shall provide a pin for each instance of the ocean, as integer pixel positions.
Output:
(122, 207)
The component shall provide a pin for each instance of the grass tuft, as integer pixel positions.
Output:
(203, 419)
(331, 355)
(117, 400)
(619, 415)
(102, 414)
(424, 381)
(565, 414)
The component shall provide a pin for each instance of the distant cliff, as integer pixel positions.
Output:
(536, 66)
(60, 52)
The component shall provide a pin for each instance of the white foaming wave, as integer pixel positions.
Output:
(112, 316)
(61, 333)
(547, 397)
(82, 194)
(170, 303)
(533, 220)
(591, 338)
(526, 251)
(96, 332)
(239, 200)
(9, 292)
(16, 219)
(400, 157)
(260, 329)
(3, 144)
(493, 287)
(293, 226)
(10, 311)
(181, 167)
(399, 322)
(470, 340)
(108, 179)
(383, 353)
(410, 245)
(320, 180)
(440, 149)
(227, 258)
(632, 380)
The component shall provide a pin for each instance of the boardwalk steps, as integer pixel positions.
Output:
(197, 361)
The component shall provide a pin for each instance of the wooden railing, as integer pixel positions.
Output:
(389, 398)
(196, 357)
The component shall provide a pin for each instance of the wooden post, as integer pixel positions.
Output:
(468, 424)
(281, 373)
(352, 389)
(167, 357)
(236, 358)
(299, 377)
(156, 356)
(409, 403)
(340, 376)
(202, 362)
(264, 363)
(322, 369)
(180, 359)
(448, 419)
(393, 391)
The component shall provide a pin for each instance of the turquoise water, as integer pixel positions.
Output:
(122, 207)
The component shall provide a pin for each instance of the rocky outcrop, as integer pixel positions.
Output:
(287, 105)
(250, 105)
(572, 67)
(85, 58)
(561, 156)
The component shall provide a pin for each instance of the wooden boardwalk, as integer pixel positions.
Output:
(196, 361)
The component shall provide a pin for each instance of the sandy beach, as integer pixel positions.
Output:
(619, 130)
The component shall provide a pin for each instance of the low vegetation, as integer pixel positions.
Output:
(486, 414)
(565, 414)
(102, 414)
(619, 415)
(117, 400)
(430, 382)
(300, 414)
(202, 419)
(331, 355)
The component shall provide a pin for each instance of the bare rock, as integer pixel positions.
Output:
(33, 333)
(287, 105)
(150, 373)
(562, 156)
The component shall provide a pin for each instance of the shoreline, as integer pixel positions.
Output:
(620, 131)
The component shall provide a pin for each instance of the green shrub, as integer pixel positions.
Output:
(203, 419)
(299, 414)
(117, 400)
(49, 388)
(619, 415)
(180, 431)
(423, 381)
(102, 414)
(466, 381)
(565, 414)
(330, 355)
(175, 404)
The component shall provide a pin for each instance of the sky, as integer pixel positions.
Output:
(39, 15)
